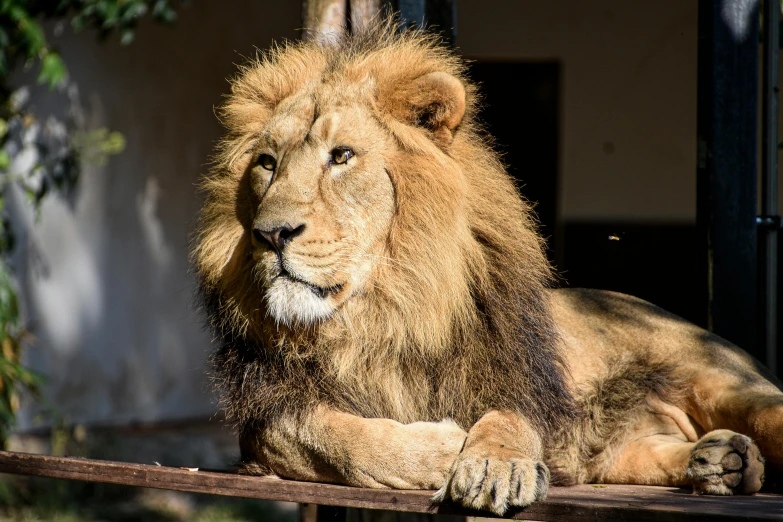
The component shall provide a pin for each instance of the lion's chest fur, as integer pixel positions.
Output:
(386, 388)
(263, 384)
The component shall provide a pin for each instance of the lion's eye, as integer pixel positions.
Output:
(341, 155)
(267, 161)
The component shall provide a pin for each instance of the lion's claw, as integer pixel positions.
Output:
(725, 463)
(494, 484)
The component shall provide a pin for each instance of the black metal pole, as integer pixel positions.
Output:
(727, 165)
(769, 221)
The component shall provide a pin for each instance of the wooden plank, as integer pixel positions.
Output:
(578, 503)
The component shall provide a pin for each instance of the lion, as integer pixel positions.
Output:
(387, 316)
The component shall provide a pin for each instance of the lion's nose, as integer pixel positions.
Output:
(278, 237)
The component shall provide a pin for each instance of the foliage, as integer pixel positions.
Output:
(12, 373)
(44, 156)
(22, 38)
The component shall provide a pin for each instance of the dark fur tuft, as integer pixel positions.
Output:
(611, 406)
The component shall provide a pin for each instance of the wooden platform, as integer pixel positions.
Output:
(579, 503)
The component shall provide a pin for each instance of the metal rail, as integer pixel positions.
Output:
(769, 220)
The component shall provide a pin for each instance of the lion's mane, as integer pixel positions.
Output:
(456, 323)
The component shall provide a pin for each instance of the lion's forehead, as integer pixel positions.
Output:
(318, 110)
(291, 120)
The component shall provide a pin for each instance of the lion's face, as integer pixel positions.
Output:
(337, 175)
(320, 202)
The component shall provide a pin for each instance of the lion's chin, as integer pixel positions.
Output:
(293, 302)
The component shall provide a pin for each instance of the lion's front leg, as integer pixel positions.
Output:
(500, 466)
(330, 446)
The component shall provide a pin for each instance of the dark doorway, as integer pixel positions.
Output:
(658, 262)
(521, 110)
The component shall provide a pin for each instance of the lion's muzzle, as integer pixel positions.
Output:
(276, 238)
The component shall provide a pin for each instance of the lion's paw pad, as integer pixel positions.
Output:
(725, 463)
(494, 484)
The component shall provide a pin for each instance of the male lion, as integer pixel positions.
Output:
(383, 304)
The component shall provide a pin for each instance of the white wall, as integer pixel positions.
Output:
(106, 282)
(628, 134)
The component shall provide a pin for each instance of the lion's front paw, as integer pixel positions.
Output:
(724, 462)
(495, 483)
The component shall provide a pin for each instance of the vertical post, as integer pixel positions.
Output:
(363, 12)
(324, 20)
(769, 221)
(412, 12)
(439, 15)
(332, 514)
(308, 512)
(727, 165)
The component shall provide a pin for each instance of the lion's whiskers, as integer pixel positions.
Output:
(383, 260)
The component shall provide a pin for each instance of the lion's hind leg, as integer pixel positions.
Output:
(724, 462)
(653, 460)
(653, 451)
(735, 398)
(658, 444)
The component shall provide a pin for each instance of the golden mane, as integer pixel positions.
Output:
(455, 322)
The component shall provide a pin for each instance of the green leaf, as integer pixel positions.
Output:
(127, 36)
(4, 38)
(95, 147)
(31, 31)
(134, 10)
(163, 11)
(5, 158)
(111, 12)
(53, 70)
(78, 22)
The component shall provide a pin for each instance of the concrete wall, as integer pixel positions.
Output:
(628, 142)
(105, 280)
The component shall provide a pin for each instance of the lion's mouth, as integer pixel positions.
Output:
(321, 291)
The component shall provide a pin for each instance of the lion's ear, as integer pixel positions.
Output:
(435, 101)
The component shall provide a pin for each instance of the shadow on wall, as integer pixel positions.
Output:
(105, 281)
